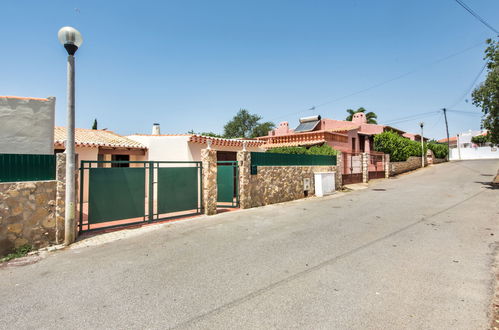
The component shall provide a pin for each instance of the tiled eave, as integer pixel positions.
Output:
(224, 142)
(293, 144)
(60, 144)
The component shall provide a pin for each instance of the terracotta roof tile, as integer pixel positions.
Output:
(292, 144)
(96, 138)
(225, 142)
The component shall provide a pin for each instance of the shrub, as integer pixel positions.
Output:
(315, 150)
(399, 148)
(480, 139)
(439, 150)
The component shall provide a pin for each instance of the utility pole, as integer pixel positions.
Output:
(422, 145)
(447, 129)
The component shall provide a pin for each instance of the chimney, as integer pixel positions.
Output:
(155, 129)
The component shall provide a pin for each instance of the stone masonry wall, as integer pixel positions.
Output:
(32, 212)
(410, 164)
(277, 184)
(209, 159)
(27, 214)
(439, 160)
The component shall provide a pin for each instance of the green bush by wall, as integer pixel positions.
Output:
(399, 147)
(439, 150)
(315, 150)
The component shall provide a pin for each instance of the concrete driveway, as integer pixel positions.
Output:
(413, 252)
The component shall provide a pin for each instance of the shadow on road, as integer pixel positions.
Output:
(488, 185)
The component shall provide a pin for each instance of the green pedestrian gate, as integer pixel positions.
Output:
(227, 184)
(119, 193)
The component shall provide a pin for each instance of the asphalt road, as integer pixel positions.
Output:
(413, 252)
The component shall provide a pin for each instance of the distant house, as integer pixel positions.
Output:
(187, 147)
(346, 136)
(452, 141)
(464, 139)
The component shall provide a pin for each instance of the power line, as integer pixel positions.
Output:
(471, 86)
(422, 67)
(465, 112)
(438, 120)
(478, 17)
(411, 117)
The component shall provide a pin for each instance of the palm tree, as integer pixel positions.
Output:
(370, 116)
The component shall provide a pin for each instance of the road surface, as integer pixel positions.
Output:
(413, 252)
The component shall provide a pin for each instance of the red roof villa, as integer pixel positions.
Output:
(346, 136)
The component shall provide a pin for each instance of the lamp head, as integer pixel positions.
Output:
(70, 38)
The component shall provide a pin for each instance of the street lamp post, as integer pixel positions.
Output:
(421, 124)
(71, 39)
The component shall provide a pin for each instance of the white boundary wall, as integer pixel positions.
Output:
(26, 125)
(475, 153)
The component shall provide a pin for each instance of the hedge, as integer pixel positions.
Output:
(315, 150)
(399, 148)
(439, 150)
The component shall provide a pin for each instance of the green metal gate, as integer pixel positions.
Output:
(137, 192)
(227, 184)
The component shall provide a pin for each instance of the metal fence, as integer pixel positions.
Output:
(276, 159)
(27, 167)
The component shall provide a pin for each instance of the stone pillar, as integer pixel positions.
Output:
(60, 176)
(244, 163)
(365, 167)
(339, 170)
(209, 159)
(387, 166)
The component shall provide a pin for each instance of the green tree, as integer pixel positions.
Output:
(94, 125)
(262, 129)
(246, 125)
(486, 95)
(370, 116)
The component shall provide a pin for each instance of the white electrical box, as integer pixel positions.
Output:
(324, 183)
(306, 184)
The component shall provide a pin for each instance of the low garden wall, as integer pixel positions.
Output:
(439, 160)
(410, 164)
(27, 214)
(277, 184)
(32, 212)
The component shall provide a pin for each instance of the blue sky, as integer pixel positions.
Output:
(194, 64)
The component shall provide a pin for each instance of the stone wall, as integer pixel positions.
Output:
(439, 160)
(410, 164)
(27, 214)
(32, 212)
(209, 160)
(277, 184)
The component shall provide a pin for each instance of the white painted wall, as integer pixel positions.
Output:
(178, 148)
(27, 125)
(474, 153)
(161, 148)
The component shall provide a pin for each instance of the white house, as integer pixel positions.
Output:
(187, 147)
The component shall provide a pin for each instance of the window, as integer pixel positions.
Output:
(100, 158)
(120, 158)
